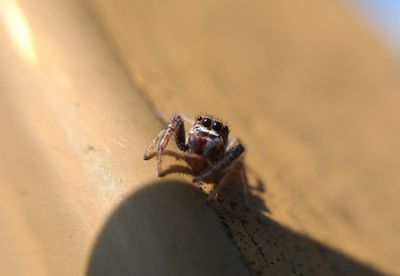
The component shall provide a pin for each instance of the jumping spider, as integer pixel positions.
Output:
(208, 152)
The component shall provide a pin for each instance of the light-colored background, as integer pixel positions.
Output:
(308, 89)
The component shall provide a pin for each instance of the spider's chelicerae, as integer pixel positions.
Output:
(211, 156)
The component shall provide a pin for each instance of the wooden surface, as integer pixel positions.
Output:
(76, 196)
(308, 90)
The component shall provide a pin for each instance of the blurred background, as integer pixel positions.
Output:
(382, 18)
(311, 88)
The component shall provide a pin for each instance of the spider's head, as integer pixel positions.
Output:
(207, 126)
(208, 137)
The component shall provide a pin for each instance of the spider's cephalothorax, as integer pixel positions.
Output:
(208, 137)
(207, 150)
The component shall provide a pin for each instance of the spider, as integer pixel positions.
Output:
(210, 155)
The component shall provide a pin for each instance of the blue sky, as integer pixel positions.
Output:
(383, 17)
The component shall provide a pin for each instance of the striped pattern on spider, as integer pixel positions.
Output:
(211, 156)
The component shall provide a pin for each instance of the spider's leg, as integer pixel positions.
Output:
(147, 154)
(230, 156)
(185, 156)
(230, 172)
(234, 168)
(232, 142)
(175, 127)
(164, 116)
(178, 169)
(243, 176)
(193, 161)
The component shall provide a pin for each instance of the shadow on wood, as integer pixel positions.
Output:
(269, 248)
(167, 229)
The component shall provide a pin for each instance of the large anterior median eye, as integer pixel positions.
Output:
(217, 126)
(206, 122)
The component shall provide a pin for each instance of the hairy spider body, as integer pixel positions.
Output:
(207, 150)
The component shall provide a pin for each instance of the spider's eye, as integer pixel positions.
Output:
(226, 128)
(217, 126)
(199, 118)
(206, 122)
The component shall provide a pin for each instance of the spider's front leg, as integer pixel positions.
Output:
(230, 156)
(230, 164)
(175, 128)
